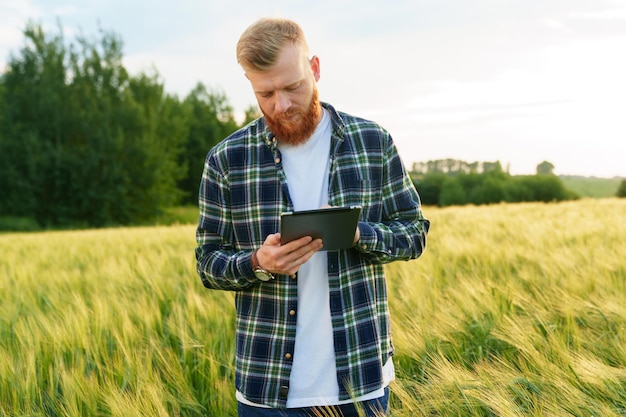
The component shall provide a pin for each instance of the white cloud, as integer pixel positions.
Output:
(617, 12)
(62, 11)
(13, 18)
(552, 23)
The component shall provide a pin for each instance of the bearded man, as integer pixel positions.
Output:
(313, 326)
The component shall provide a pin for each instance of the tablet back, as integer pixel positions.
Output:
(336, 226)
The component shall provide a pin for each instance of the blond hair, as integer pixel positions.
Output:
(261, 42)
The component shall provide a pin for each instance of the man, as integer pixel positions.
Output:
(312, 326)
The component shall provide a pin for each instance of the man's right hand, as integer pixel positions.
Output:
(286, 259)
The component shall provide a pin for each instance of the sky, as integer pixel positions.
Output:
(515, 81)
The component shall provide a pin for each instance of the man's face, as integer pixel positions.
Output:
(287, 95)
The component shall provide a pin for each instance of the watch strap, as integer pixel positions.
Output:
(255, 260)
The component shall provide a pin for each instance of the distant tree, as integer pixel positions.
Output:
(455, 167)
(621, 191)
(545, 168)
(474, 167)
(492, 166)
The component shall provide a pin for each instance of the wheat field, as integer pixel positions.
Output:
(514, 310)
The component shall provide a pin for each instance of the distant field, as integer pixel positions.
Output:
(514, 310)
(591, 186)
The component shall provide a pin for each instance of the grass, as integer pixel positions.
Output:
(179, 215)
(514, 310)
(592, 186)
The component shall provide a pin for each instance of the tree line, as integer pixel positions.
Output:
(448, 182)
(84, 143)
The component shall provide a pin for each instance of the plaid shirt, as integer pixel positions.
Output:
(242, 193)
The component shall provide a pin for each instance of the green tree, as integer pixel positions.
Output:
(155, 135)
(429, 187)
(545, 168)
(210, 120)
(472, 184)
(82, 142)
(519, 189)
(452, 193)
(546, 188)
(494, 190)
(621, 191)
(34, 96)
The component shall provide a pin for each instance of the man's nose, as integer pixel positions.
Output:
(281, 103)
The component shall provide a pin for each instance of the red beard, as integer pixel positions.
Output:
(298, 131)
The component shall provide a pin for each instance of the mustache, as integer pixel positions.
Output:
(286, 116)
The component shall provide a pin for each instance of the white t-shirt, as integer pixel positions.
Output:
(313, 374)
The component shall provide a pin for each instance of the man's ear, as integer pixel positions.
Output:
(315, 67)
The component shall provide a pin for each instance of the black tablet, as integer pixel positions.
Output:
(336, 226)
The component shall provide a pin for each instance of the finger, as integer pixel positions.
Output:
(296, 244)
(311, 249)
(293, 260)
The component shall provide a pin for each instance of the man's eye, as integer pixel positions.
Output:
(266, 95)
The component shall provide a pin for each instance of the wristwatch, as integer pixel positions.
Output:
(259, 272)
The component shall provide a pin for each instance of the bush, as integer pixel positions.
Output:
(18, 224)
(621, 191)
(429, 187)
(452, 193)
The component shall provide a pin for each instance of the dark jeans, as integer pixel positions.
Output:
(378, 407)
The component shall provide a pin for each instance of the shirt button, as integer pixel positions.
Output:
(292, 312)
(277, 160)
(364, 246)
(288, 356)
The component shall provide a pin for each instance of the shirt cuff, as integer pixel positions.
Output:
(367, 238)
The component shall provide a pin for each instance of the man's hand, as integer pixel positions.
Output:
(286, 259)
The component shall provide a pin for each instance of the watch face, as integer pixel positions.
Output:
(262, 275)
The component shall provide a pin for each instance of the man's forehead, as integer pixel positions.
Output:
(289, 69)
